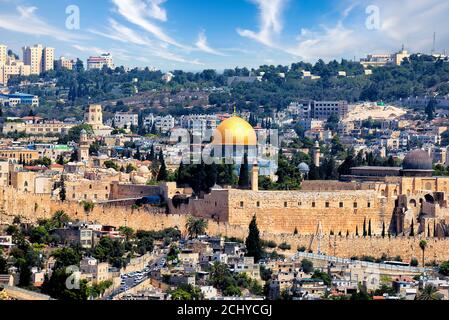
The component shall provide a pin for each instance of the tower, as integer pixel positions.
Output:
(255, 177)
(83, 149)
(94, 116)
(316, 154)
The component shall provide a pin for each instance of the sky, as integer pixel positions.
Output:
(194, 35)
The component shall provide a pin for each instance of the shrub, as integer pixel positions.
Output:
(284, 246)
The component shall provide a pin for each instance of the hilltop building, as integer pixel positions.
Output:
(39, 58)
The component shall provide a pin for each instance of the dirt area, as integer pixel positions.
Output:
(366, 111)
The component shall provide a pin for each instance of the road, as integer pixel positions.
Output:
(132, 279)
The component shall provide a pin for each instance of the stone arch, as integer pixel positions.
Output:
(412, 202)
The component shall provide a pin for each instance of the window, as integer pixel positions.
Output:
(258, 204)
(241, 204)
(285, 204)
(355, 204)
(341, 205)
(369, 205)
(327, 204)
(313, 204)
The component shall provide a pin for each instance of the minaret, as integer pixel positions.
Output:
(83, 149)
(316, 154)
(255, 177)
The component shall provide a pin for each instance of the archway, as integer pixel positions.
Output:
(412, 203)
(429, 198)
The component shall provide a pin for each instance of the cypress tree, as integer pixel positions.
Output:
(211, 173)
(180, 176)
(152, 154)
(62, 191)
(434, 228)
(162, 174)
(253, 243)
(244, 173)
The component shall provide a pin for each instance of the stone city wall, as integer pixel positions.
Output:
(33, 207)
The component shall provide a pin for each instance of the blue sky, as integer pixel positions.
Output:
(199, 34)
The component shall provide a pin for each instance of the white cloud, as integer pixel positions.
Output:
(121, 33)
(411, 23)
(138, 11)
(26, 21)
(271, 24)
(202, 45)
(156, 11)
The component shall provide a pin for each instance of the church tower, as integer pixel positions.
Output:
(94, 116)
(83, 148)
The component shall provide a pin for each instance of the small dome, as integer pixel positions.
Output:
(235, 131)
(417, 160)
(303, 167)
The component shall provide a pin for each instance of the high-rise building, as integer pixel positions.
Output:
(48, 60)
(40, 59)
(99, 62)
(3, 54)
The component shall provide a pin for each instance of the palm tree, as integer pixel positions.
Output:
(423, 245)
(196, 226)
(429, 292)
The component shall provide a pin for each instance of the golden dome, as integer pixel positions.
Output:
(235, 131)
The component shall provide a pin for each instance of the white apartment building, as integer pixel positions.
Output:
(162, 124)
(380, 60)
(39, 58)
(199, 122)
(98, 62)
(126, 120)
(13, 67)
(65, 63)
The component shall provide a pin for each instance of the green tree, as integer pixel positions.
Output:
(423, 246)
(196, 226)
(253, 243)
(444, 268)
(62, 189)
(306, 265)
(244, 173)
(162, 174)
(429, 292)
